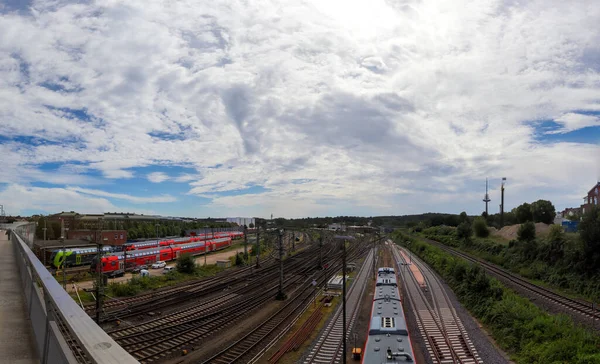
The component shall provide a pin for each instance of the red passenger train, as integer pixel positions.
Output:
(165, 243)
(114, 264)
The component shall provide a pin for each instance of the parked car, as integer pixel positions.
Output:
(168, 270)
(159, 265)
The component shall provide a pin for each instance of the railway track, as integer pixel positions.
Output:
(328, 346)
(442, 330)
(147, 302)
(580, 308)
(248, 348)
(159, 338)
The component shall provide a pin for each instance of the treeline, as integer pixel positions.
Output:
(568, 262)
(387, 221)
(525, 331)
(135, 229)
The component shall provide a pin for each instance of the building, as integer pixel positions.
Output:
(241, 221)
(571, 211)
(109, 237)
(68, 218)
(592, 199)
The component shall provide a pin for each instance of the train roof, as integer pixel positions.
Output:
(83, 250)
(388, 340)
(385, 270)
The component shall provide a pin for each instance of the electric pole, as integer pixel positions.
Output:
(280, 294)
(344, 300)
(486, 199)
(99, 282)
(64, 262)
(502, 203)
(45, 228)
(257, 246)
(321, 250)
(245, 242)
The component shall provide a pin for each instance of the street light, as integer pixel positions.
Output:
(343, 239)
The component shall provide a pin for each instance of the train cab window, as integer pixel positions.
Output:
(113, 264)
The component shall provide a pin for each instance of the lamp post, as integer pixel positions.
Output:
(344, 239)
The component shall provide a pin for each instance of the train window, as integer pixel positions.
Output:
(113, 263)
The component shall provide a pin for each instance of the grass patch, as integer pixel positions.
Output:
(139, 284)
(292, 357)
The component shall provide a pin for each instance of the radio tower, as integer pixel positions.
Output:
(486, 198)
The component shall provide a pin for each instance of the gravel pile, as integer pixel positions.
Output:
(510, 232)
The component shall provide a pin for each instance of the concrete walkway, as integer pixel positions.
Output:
(16, 334)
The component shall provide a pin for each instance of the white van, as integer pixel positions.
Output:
(167, 270)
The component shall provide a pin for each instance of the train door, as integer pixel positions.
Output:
(157, 257)
(177, 253)
(121, 266)
(78, 259)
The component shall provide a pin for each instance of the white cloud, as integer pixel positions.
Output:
(372, 107)
(122, 196)
(157, 177)
(17, 199)
(573, 121)
(185, 178)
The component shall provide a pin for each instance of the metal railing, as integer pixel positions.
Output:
(63, 332)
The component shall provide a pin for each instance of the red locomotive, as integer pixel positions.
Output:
(114, 264)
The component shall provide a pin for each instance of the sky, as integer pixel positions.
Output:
(296, 108)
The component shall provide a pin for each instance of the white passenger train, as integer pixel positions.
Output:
(388, 340)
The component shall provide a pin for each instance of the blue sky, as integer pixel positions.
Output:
(319, 108)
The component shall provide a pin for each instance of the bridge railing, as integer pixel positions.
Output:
(63, 332)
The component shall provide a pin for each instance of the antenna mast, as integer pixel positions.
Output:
(486, 199)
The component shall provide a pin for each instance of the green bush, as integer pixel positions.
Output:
(186, 264)
(464, 231)
(480, 227)
(526, 231)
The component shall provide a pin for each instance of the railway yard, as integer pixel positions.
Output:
(233, 316)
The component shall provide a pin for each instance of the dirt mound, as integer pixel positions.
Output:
(510, 232)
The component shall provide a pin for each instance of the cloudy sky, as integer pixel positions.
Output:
(296, 108)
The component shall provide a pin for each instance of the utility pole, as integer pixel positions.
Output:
(64, 262)
(99, 282)
(257, 246)
(245, 242)
(280, 295)
(205, 246)
(502, 203)
(157, 225)
(45, 228)
(321, 250)
(344, 239)
(486, 199)
(344, 300)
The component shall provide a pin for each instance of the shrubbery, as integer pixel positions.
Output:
(480, 227)
(521, 328)
(186, 264)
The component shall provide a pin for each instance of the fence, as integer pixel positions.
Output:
(63, 332)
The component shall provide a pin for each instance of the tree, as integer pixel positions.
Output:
(251, 226)
(186, 264)
(464, 231)
(589, 231)
(526, 232)
(553, 251)
(480, 227)
(543, 211)
(463, 217)
(523, 213)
